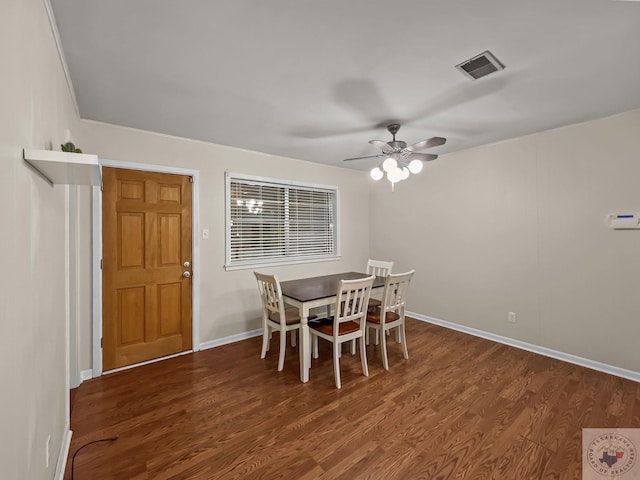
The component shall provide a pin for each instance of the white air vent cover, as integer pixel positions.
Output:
(480, 66)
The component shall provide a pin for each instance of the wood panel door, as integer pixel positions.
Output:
(146, 293)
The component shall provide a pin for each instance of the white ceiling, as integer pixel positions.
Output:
(316, 80)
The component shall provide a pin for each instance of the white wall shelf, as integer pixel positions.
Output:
(65, 168)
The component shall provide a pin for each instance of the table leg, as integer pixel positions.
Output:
(305, 346)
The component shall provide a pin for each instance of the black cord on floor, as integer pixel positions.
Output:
(73, 459)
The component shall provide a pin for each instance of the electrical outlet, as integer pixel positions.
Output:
(48, 450)
(205, 234)
(512, 317)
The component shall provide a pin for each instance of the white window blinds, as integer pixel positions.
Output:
(272, 222)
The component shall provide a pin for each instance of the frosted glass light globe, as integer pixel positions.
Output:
(394, 175)
(415, 166)
(389, 164)
(376, 174)
(405, 173)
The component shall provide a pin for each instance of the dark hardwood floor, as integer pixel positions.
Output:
(460, 408)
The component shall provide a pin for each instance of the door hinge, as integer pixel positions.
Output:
(100, 264)
(101, 342)
(190, 179)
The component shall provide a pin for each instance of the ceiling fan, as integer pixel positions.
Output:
(400, 159)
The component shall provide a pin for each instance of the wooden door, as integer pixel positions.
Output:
(146, 294)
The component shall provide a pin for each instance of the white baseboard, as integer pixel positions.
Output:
(63, 455)
(547, 352)
(231, 339)
(86, 375)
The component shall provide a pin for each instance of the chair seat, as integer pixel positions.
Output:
(291, 316)
(344, 328)
(374, 317)
(320, 321)
(374, 302)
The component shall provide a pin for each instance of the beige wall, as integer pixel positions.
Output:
(36, 112)
(520, 227)
(229, 302)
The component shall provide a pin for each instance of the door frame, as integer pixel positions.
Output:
(96, 257)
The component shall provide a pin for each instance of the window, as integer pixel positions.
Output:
(275, 221)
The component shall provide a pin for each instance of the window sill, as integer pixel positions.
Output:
(254, 266)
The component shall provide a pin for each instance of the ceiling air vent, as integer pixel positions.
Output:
(480, 66)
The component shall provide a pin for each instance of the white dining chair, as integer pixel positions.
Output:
(390, 314)
(275, 315)
(348, 323)
(379, 268)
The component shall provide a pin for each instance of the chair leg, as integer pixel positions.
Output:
(403, 338)
(353, 346)
(377, 340)
(266, 334)
(336, 363)
(398, 335)
(315, 345)
(366, 334)
(383, 348)
(283, 349)
(363, 357)
(294, 334)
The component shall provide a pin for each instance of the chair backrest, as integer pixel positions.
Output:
(271, 295)
(352, 302)
(394, 297)
(379, 268)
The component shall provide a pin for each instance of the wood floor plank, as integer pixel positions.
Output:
(566, 462)
(460, 407)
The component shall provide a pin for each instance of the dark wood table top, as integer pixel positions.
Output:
(314, 288)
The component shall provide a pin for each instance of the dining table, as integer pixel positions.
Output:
(312, 292)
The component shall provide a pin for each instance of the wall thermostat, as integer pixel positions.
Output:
(624, 221)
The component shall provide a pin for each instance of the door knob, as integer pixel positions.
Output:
(186, 264)
(186, 274)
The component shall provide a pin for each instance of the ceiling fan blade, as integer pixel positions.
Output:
(457, 96)
(316, 132)
(423, 156)
(363, 158)
(362, 97)
(432, 142)
(382, 145)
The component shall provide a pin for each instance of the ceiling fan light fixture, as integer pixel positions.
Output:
(397, 164)
(389, 164)
(415, 166)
